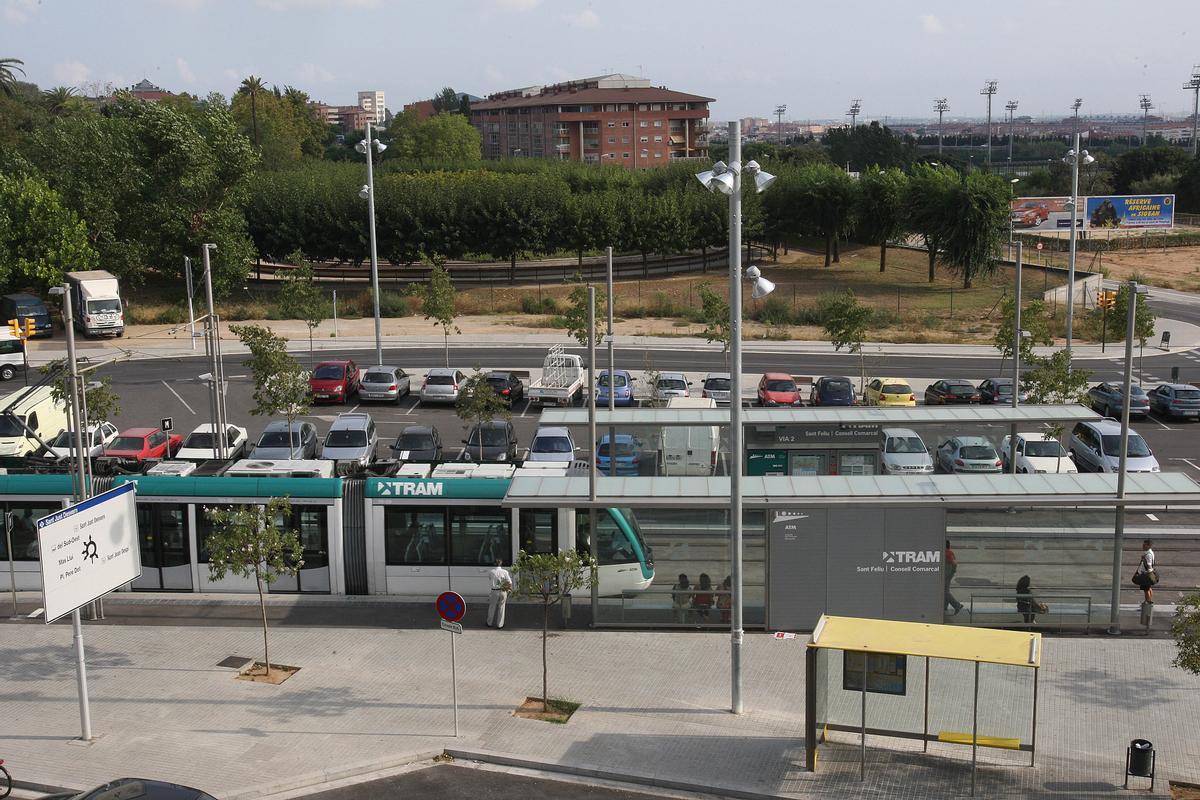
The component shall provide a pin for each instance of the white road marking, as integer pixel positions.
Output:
(37, 612)
(235, 377)
(356, 405)
(525, 410)
(1157, 422)
(412, 408)
(1189, 462)
(177, 397)
(1152, 517)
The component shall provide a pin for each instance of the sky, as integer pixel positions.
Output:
(750, 55)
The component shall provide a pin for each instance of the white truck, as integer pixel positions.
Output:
(96, 303)
(562, 380)
(692, 449)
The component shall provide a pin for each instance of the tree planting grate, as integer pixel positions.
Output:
(234, 662)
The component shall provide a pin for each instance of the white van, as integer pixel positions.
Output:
(32, 408)
(690, 450)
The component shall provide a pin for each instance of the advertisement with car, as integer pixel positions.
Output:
(1041, 214)
(1031, 214)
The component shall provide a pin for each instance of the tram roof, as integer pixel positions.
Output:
(1141, 488)
(844, 415)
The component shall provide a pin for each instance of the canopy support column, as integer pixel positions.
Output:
(925, 731)
(862, 773)
(1033, 735)
(974, 728)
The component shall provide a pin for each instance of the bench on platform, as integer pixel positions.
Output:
(1003, 742)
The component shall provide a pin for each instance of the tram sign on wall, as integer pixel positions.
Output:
(88, 550)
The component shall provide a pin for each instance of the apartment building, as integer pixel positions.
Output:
(348, 118)
(372, 102)
(610, 119)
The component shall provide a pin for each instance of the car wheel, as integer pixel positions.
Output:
(7, 373)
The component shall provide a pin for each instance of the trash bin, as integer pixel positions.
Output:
(1141, 758)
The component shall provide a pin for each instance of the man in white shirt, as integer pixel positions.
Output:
(501, 586)
(1145, 576)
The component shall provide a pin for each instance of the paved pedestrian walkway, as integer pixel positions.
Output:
(653, 710)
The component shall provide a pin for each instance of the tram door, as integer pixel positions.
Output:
(310, 523)
(163, 541)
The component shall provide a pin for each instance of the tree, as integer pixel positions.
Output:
(717, 323)
(1187, 190)
(58, 99)
(1185, 628)
(927, 201)
(40, 238)
(1144, 317)
(575, 317)
(446, 101)
(442, 139)
(101, 402)
(975, 221)
(437, 304)
(549, 577)
(280, 385)
(1049, 381)
(8, 79)
(846, 322)
(881, 217)
(301, 298)
(252, 86)
(825, 199)
(478, 402)
(1033, 319)
(255, 541)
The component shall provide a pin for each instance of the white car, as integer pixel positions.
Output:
(200, 446)
(552, 444)
(99, 435)
(1037, 455)
(671, 384)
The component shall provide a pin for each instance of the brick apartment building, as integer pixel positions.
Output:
(348, 118)
(611, 119)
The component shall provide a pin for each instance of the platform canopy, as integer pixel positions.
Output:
(955, 642)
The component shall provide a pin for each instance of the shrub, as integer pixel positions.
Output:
(171, 315)
(392, 304)
(531, 305)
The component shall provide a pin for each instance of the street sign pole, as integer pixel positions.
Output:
(452, 608)
(454, 683)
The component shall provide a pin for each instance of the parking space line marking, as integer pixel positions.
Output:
(525, 410)
(412, 408)
(1189, 462)
(177, 397)
(1151, 416)
(1152, 517)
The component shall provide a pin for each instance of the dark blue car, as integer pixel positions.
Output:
(1109, 398)
(622, 385)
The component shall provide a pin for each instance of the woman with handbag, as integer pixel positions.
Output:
(1145, 576)
(1028, 605)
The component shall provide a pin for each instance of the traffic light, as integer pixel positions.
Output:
(30, 328)
(14, 327)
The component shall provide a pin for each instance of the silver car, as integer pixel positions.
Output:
(273, 444)
(441, 385)
(384, 383)
(968, 454)
(352, 437)
(716, 387)
(671, 384)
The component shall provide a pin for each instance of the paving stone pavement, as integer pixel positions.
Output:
(653, 707)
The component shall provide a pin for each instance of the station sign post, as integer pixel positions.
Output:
(451, 607)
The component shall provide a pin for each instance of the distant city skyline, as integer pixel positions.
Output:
(898, 58)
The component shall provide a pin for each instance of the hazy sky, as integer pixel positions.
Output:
(815, 57)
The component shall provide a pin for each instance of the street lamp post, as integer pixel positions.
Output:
(989, 89)
(1075, 108)
(1011, 107)
(728, 180)
(1012, 188)
(1073, 157)
(1193, 86)
(779, 110)
(368, 193)
(941, 106)
(855, 108)
(1145, 104)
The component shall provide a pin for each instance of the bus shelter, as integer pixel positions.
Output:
(917, 675)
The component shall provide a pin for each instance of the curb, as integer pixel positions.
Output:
(41, 788)
(505, 760)
(315, 780)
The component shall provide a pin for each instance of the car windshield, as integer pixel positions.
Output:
(278, 439)
(838, 390)
(622, 448)
(671, 383)
(103, 306)
(127, 443)
(329, 372)
(378, 377)
(1187, 394)
(199, 440)
(904, 444)
(781, 386)
(1047, 448)
(492, 437)
(498, 383)
(1137, 446)
(10, 425)
(414, 441)
(617, 380)
(346, 438)
(717, 384)
(977, 452)
(960, 388)
(897, 388)
(440, 380)
(552, 444)
(67, 439)
(1002, 388)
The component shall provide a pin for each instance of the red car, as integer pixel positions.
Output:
(778, 389)
(334, 381)
(139, 444)
(1029, 214)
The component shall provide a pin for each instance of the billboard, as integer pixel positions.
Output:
(1130, 211)
(88, 549)
(1041, 214)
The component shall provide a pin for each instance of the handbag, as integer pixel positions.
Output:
(1152, 577)
(1042, 608)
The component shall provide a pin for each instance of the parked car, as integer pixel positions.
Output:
(507, 385)
(778, 389)
(133, 789)
(200, 445)
(625, 450)
(384, 383)
(441, 385)
(1109, 399)
(671, 384)
(22, 306)
(552, 444)
(275, 443)
(832, 391)
(622, 388)
(351, 437)
(716, 387)
(419, 443)
(491, 441)
(945, 392)
(998, 391)
(889, 392)
(1176, 400)
(12, 355)
(137, 445)
(1037, 455)
(98, 435)
(334, 381)
(902, 452)
(968, 454)
(1096, 447)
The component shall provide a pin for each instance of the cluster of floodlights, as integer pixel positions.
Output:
(361, 147)
(721, 179)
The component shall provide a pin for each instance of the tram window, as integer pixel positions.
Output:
(205, 530)
(310, 522)
(414, 537)
(612, 543)
(539, 530)
(24, 530)
(478, 536)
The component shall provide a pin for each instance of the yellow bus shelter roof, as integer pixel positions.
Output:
(957, 642)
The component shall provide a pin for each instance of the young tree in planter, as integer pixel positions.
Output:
(717, 324)
(1033, 319)
(846, 322)
(575, 317)
(1185, 628)
(254, 542)
(479, 403)
(549, 577)
(301, 298)
(437, 304)
(1051, 380)
(280, 384)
